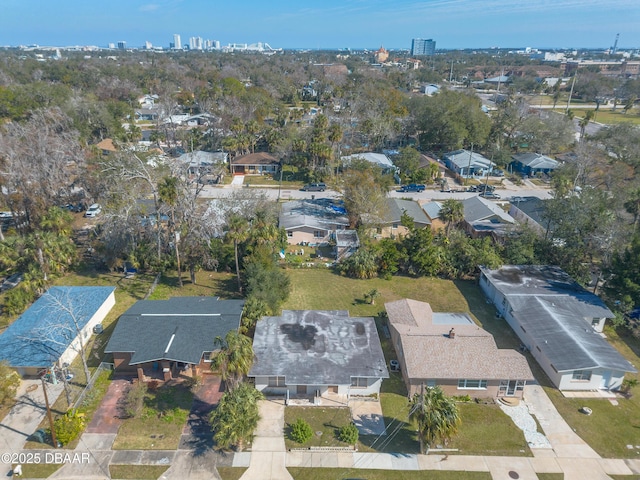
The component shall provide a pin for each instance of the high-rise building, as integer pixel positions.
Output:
(177, 44)
(148, 45)
(422, 47)
(122, 45)
(195, 43)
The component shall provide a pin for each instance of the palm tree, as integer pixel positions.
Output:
(437, 416)
(371, 296)
(237, 232)
(584, 121)
(452, 212)
(236, 417)
(168, 193)
(233, 357)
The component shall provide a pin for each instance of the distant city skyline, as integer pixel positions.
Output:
(335, 24)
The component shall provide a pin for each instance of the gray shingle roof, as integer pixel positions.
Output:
(430, 353)
(432, 209)
(396, 207)
(554, 310)
(321, 213)
(478, 209)
(317, 347)
(179, 329)
(536, 161)
(461, 159)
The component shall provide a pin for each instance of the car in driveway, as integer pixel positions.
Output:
(93, 211)
(412, 187)
(314, 187)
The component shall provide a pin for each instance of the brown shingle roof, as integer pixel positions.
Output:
(259, 158)
(107, 145)
(429, 352)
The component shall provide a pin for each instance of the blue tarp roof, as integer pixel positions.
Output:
(42, 333)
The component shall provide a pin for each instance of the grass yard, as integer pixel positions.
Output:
(42, 470)
(606, 115)
(159, 426)
(137, 472)
(344, 473)
(324, 420)
(231, 473)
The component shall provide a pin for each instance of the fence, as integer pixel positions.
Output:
(104, 366)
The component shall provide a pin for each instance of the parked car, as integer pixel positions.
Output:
(93, 211)
(314, 187)
(498, 173)
(11, 281)
(412, 187)
(490, 195)
(484, 188)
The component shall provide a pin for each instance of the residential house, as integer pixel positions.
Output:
(259, 163)
(317, 353)
(450, 351)
(559, 322)
(432, 210)
(312, 222)
(209, 166)
(168, 338)
(106, 146)
(529, 211)
(54, 329)
(532, 164)
(347, 242)
(467, 164)
(377, 159)
(484, 218)
(391, 222)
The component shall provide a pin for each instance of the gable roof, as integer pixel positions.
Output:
(553, 309)
(317, 347)
(321, 213)
(44, 332)
(396, 207)
(180, 329)
(432, 209)
(461, 158)
(532, 207)
(379, 159)
(536, 161)
(429, 352)
(258, 158)
(478, 209)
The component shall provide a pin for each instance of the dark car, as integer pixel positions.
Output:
(314, 187)
(484, 188)
(412, 187)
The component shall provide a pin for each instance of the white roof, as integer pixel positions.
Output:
(379, 159)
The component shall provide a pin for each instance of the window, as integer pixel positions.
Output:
(207, 357)
(394, 226)
(318, 234)
(431, 383)
(276, 382)
(581, 375)
(472, 384)
(289, 234)
(359, 382)
(595, 322)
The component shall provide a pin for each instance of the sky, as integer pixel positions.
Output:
(325, 23)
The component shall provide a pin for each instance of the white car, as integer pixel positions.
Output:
(93, 211)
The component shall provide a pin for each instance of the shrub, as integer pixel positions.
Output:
(349, 434)
(301, 431)
(69, 426)
(134, 399)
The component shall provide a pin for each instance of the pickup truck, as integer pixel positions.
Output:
(412, 187)
(314, 187)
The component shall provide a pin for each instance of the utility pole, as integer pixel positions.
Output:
(571, 92)
(46, 402)
(469, 166)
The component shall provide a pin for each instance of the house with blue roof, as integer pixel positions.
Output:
(53, 330)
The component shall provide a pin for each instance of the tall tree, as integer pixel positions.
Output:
(237, 231)
(437, 417)
(169, 195)
(233, 357)
(452, 213)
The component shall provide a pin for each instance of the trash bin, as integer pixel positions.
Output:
(313, 197)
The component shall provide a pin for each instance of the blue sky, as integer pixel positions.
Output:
(324, 23)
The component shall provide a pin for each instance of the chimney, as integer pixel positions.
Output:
(452, 333)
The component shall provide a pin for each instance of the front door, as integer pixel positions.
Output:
(333, 389)
(507, 388)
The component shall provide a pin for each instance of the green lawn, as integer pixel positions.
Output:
(606, 115)
(42, 470)
(159, 426)
(343, 473)
(231, 473)
(137, 472)
(325, 423)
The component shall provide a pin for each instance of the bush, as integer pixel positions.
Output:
(349, 434)
(134, 399)
(301, 431)
(69, 426)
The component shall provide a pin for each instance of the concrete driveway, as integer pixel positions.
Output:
(23, 419)
(367, 416)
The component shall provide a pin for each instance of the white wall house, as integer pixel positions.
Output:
(560, 323)
(312, 353)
